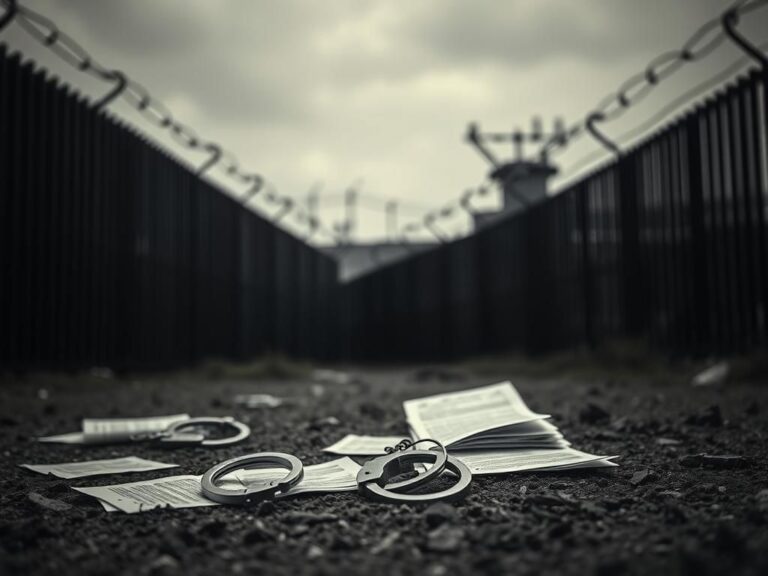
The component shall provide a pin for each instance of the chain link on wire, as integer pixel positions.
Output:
(704, 41)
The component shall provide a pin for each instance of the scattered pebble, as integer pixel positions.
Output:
(49, 503)
(314, 552)
(668, 442)
(386, 542)
(445, 539)
(593, 414)
(643, 477)
(714, 461)
(711, 416)
(310, 518)
(439, 513)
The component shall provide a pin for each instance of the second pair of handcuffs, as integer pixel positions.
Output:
(188, 433)
(374, 478)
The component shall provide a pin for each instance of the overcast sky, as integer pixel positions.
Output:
(382, 90)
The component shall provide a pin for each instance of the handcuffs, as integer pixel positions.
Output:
(373, 479)
(255, 491)
(175, 435)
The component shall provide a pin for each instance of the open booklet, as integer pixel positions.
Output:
(489, 428)
(488, 418)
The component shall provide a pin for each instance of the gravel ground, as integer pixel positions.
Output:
(661, 511)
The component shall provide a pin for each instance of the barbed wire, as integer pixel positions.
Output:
(637, 87)
(152, 110)
(640, 130)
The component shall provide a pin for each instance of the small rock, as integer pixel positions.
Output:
(714, 375)
(329, 422)
(386, 542)
(298, 530)
(593, 414)
(343, 542)
(761, 499)
(213, 529)
(162, 565)
(258, 534)
(545, 500)
(266, 508)
(642, 477)
(609, 436)
(314, 552)
(309, 518)
(714, 461)
(445, 539)
(560, 529)
(708, 417)
(671, 494)
(667, 442)
(439, 513)
(49, 503)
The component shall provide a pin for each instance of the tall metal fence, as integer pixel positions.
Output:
(114, 254)
(667, 243)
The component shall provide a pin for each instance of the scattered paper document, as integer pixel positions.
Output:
(338, 475)
(109, 430)
(170, 492)
(98, 467)
(354, 445)
(499, 462)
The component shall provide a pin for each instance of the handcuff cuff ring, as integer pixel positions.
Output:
(256, 491)
(174, 435)
(397, 462)
(377, 489)
(373, 478)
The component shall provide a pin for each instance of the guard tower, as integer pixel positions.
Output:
(523, 180)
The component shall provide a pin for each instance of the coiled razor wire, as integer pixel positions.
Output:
(153, 111)
(632, 91)
(635, 89)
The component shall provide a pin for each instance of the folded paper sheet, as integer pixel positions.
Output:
(98, 467)
(355, 445)
(108, 430)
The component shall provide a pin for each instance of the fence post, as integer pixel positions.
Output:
(586, 274)
(698, 246)
(631, 272)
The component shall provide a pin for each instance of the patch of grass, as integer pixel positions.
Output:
(271, 367)
(618, 360)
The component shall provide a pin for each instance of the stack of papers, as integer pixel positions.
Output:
(112, 430)
(184, 491)
(490, 429)
(489, 418)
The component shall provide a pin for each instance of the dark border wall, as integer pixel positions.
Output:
(668, 243)
(114, 254)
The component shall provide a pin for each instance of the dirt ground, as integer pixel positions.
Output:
(660, 512)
